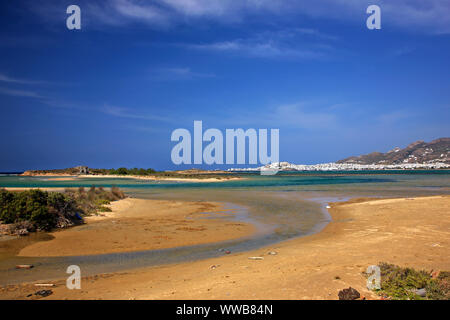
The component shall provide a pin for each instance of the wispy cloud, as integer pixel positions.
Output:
(19, 83)
(391, 118)
(422, 16)
(306, 115)
(300, 115)
(178, 73)
(287, 43)
(5, 78)
(131, 114)
(135, 10)
(268, 49)
(20, 93)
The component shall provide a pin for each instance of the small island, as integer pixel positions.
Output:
(191, 175)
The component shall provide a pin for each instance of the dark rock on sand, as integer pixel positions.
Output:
(44, 293)
(349, 294)
(421, 292)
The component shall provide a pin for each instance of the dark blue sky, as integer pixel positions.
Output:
(110, 94)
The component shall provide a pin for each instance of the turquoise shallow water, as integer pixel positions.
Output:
(283, 206)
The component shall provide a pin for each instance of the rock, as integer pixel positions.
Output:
(421, 292)
(435, 274)
(256, 258)
(44, 293)
(214, 266)
(227, 252)
(272, 253)
(24, 266)
(22, 228)
(5, 229)
(22, 232)
(62, 222)
(349, 294)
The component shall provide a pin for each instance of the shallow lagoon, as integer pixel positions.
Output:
(287, 205)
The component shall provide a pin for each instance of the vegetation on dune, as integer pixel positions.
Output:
(193, 173)
(95, 199)
(132, 172)
(32, 210)
(404, 283)
(197, 174)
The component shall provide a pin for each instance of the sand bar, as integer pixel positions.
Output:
(137, 225)
(66, 177)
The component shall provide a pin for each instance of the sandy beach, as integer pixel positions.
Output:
(67, 177)
(412, 232)
(136, 225)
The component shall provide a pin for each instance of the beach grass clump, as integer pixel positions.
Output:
(132, 172)
(406, 283)
(439, 288)
(31, 210)
(95, 199)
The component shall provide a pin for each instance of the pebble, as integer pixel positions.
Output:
(421, 292)
(44, 293)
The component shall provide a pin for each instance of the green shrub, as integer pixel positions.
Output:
(133, 171)
(101, 202)
(31, 205)
(439, 289)
(401, 283)
(46, 210)
(104, 209)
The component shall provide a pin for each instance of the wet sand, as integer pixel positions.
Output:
(137, 225)
(411, 232)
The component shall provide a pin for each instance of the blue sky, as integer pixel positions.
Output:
(110, 94)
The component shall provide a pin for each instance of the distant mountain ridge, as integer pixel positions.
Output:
(419, 152)
(433, 155)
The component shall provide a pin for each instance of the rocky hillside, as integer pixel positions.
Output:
(436, 151)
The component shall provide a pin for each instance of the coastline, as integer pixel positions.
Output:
(68, 177)
(158, 178)
(412, 232)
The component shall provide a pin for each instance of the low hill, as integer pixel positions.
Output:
(417, 152)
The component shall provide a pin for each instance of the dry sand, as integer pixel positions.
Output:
(409, 232)
(162, 178)
(29, 188)
(137, 224)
